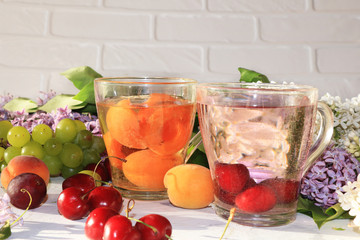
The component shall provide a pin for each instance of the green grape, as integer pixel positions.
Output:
(98, 144)
(54, 165)
(33, 148)
(90, 156)
(2, 150)
(84, 139)
(5, 126)
(3, 165)
(41, 133)
(66, 130)
(68, 172)
(71, 155)
(18, 136)
(53, 147)
(79, 125)
(11, 152)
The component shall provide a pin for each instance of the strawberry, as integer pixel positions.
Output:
(256, 199)
(286, 190)
(231, 177)
(229, 197)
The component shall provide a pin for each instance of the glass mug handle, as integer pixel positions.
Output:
(322, 140)
(324, 136)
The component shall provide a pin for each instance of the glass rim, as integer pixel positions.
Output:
(251, 86)
(145, 80)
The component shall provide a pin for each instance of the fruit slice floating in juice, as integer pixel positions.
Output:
(147, 169)
(122, 122)
(168, 129)
(116, 150)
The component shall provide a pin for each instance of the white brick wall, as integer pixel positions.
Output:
(314, 42)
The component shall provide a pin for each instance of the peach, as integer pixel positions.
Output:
(24, 164)
(189, 186)
(147, 169)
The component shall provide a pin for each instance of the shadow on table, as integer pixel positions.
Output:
(40, 231)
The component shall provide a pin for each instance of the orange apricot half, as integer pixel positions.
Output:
(189, 186)
(113, 149)
(122, 122)
(147, 169)
(168, 129)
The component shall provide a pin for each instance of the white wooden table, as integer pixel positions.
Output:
(46, 223)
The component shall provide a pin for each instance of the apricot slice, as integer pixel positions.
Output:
(189, 186)
(116, 150)
(168, 128)
(159, 99)
(24, 164)
(146, 169)
(122, 122)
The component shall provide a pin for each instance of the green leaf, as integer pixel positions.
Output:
(319, 215)
(248, 75)
(20, 104)
(5, 230)
(86, 94)
(198, 157)
(81, 76)
(89, 108)
(61, 101)
(83, 79)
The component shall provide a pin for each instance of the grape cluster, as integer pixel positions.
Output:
(65, 151)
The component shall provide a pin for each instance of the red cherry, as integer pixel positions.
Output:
(231, 177)
(100, 169)
(286, 190)
(35, 186)
(117, 228)
(72, 203)
(107, 166)
(133, 235)
(259, 198)
(159, 222)
(83, 181)
(94, 226)
(105, 196)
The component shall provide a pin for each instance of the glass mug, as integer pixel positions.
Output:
(258, 139)
(146, 124)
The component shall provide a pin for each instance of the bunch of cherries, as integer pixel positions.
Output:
(83, 197)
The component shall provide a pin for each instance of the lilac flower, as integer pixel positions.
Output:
(5, 99)
(45, 97)
(6, 214)
(29, 121)
(329, 174)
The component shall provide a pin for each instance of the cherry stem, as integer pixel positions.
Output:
(152, 228)
(129, 207)
(231, 217)
(16, 220)
(121, 159)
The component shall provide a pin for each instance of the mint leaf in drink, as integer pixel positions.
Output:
(83, 79)
(248, 75)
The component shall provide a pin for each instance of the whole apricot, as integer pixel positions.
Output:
(189, 186)
(24, 164)
(147, 169)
